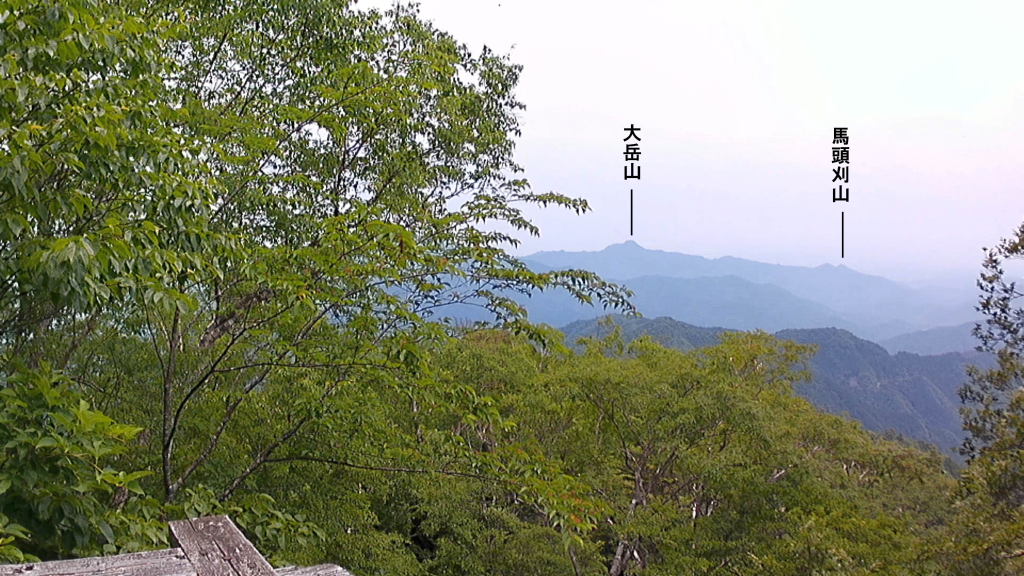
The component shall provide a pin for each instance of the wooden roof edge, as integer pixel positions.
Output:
(208, 546)
(318, 570)
(166, 562)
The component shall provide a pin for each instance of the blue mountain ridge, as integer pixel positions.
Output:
(870, 306)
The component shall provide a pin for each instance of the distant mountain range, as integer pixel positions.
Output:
(745, 294)
(723, 301)
(934, 341)
(908, 383)
(912, 394)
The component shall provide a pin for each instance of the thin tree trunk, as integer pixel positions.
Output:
(167, 444)
(575, 561)
(624, 551)
(621, 560)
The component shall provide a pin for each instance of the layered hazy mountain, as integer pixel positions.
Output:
(744, 294)
(908, 384)
(717, 301)
(939, 340)
(912, 394)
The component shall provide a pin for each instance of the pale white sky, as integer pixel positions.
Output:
(736, 101)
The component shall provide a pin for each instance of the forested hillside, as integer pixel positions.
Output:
(226, 233)
(663, 330)
(913, 395)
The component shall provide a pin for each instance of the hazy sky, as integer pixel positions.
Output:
(736, 102)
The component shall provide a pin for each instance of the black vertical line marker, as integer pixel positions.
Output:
(842, 234)
(631, 212)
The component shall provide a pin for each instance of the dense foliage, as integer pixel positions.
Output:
(229, 235)
(989, 526)
(914, 396)
(233, 226)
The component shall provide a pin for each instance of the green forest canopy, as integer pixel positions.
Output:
(227, 232)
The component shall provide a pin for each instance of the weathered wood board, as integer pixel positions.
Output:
(211, 546)
(170, 562)
(216, 547)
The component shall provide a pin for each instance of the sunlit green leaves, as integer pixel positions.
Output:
(56, 478)
(238, 226)
(90, 164)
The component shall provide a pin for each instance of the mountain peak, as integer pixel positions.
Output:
(869, 305)
(629, 244)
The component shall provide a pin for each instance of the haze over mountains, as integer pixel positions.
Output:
(891, 356)
(744, 294)
(939, 340)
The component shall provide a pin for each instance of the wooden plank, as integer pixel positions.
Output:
(320, 570)
(169, 562)
(216, 547)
